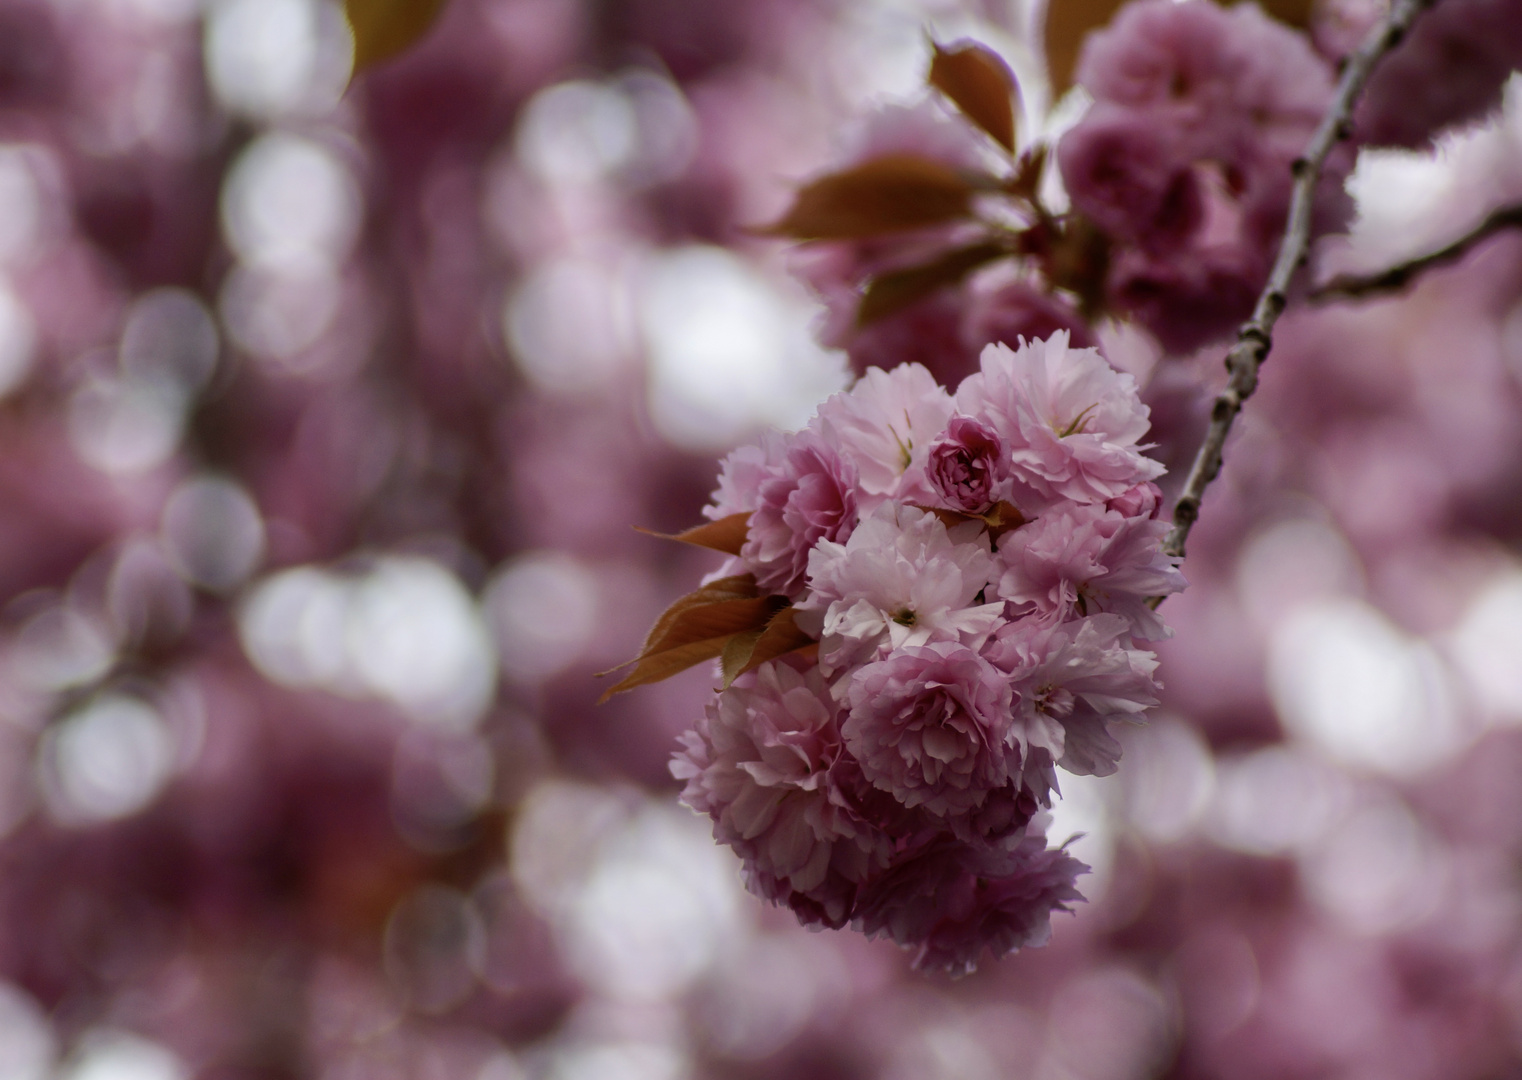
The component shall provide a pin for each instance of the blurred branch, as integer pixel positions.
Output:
(1355, 286)
(1255, 338)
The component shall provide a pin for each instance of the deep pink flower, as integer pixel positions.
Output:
(951, 901)
(759, 763)
(928, 725)
(966, 466)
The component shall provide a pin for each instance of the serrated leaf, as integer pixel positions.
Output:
(887, 194)
(697, 627)
(1068, 22)
(979, 83)
(726, 535)
(780, 636)
(890, 293)
(383, 28)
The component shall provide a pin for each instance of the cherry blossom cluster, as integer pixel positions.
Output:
(975, 569)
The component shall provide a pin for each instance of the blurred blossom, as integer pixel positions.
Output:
(768, 989)
(729, 352)
(18, 339)
(1350, 683)
(268, 58)
(434, 946)
(213, 532)
(1085, 814)
(290, 206)
(278, 315)
(544, 607)
(27, 1043)
(1169, 778)
(125, 426)
(1276, 801)
(1293, 562)
(570, 325)
(170, 336)
(577, 132)
(107, 759)
(438, 785)
(618, 1061)
(1109, 1025)
(118, 1055)
(559, 829)
(1376, 869)
(21, 203)
(655, 908)
(405, 631)
(60, 647)
(1487, 643)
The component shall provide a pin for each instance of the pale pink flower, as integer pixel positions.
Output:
(798, 490)
(1071, 680)
(951, 901)
(884, 426)
(928, 725)
(1081, 560)
(1072, 423)
(759, 763)
(902, 579)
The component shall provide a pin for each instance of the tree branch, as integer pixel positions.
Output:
(1255, 338)
(1355, 286)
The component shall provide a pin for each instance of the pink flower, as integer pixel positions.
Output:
(1002, 310)
(1070, 681)
(928, 725)
(952, 901)
(798, 491)
(1071, 422)
(1131, 175)
(884, 426)
(1080, 560)
(966, 466)
(1142, 501)
(902, 580)
(759, 763)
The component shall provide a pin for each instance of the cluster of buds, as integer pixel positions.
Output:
(933, 601)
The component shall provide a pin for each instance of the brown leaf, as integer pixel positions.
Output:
(726, 535)
(1296, 13)
(1068, 22)
(886, 194)
(980, 83)
(383, 28)
(1000, 518)
(780, 636)
(890, 293)
(697, 627)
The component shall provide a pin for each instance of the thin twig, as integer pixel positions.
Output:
(1256, 335)
(1355, 286)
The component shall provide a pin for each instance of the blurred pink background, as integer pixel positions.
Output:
(326, 416)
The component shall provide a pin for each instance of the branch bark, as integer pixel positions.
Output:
(1356, 286)
(1255, 338)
